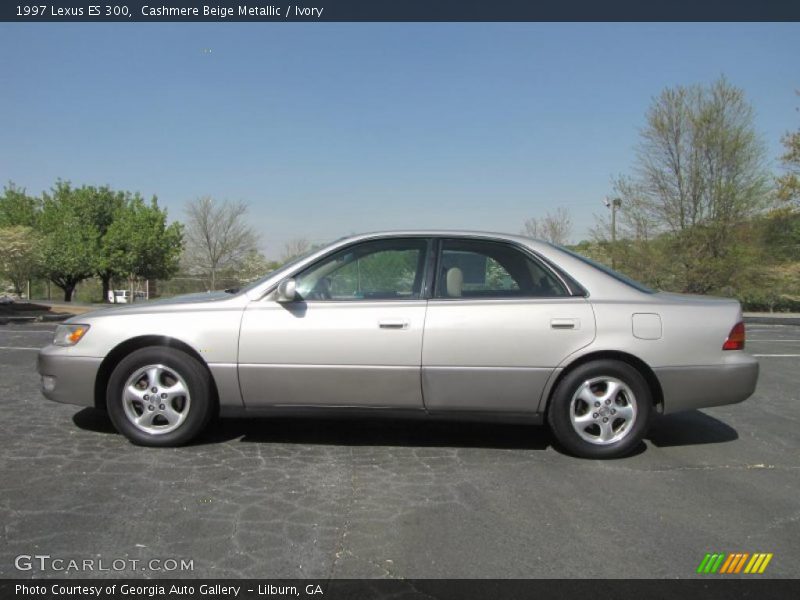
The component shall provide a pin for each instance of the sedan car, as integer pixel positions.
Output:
(457, 325)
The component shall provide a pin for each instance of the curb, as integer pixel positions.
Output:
(36, 319)
(767, 320)
(59, 317)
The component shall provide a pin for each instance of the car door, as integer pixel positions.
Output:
(353, 337)
(499, 322)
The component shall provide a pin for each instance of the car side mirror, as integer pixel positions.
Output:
(286, 291)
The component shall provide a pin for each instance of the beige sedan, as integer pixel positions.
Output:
(413, 324)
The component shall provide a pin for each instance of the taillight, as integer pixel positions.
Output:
(735, 339)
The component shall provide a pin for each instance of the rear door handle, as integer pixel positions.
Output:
(393, 324)
(565, 324)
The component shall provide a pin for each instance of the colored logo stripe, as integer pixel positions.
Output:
(728, 564)
(758, 563)
(710, 563)
(734, 562)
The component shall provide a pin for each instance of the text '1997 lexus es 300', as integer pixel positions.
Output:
(459, 325)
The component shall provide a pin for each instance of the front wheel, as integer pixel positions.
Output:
(159, 397)
(601, 409)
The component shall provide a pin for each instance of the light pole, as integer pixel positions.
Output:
(613, 204)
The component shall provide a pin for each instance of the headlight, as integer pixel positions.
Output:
(69, 335)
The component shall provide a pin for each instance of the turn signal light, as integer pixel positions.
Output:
(735, 339)
(69, 335)
(77, 334)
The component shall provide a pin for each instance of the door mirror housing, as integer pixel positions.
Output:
(286, 291)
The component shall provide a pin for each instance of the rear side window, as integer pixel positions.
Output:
(486, 269)
(608, 271)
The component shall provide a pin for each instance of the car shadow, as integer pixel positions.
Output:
(93, 419)
(689, 428)
(379, 432)
(352, 432)
(681, 429)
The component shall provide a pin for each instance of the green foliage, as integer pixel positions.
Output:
(389, 270)
(87, 230)
(762, 269)
(772, 287)
(789, 182)
(779, 233)
(771, 280)
(139, 243)
(17, 207)
(103, 208)
(70, 245)
(497, 278)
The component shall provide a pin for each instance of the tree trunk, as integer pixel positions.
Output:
(106, 279)
(69, 289)
(213, 279)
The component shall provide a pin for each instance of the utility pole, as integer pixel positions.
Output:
(613, 204)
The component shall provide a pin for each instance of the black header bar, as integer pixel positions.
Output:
(399, 10)
(707, 588)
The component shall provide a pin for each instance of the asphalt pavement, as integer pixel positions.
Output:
(285, 498)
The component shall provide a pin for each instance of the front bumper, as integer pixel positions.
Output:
(67, 378)
(688, 388)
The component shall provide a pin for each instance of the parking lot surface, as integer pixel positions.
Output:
(311, 498)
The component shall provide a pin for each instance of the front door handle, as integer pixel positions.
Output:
(565, 324)
(393, 324)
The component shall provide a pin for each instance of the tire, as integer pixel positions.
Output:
(177, 412)
(601, 409)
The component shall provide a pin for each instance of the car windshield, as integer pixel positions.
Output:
(283, 267)
(608, 271)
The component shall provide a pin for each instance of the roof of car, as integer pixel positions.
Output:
(443, 233)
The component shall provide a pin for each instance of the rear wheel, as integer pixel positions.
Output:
(159, 397)
(601, 409)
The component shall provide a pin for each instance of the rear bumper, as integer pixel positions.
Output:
(65, 378)
(687, 388)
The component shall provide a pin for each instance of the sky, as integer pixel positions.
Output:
(337, 128)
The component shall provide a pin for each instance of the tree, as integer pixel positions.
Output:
(217, 236)
(20, 258)
(79, 218)
(103, 208)
(139, 243)
(255, 265)
(17, 207)
(70, 239)
(780, 235)
(553, 227)
(20, 254)
(699, 174)
(789, 182)
(294, 248)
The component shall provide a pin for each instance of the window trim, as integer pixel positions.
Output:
(573, 286)
(434, 247)
(423, 294)
(540, 261)
(606, 270)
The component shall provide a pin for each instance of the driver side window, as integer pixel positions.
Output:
(378, 270)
